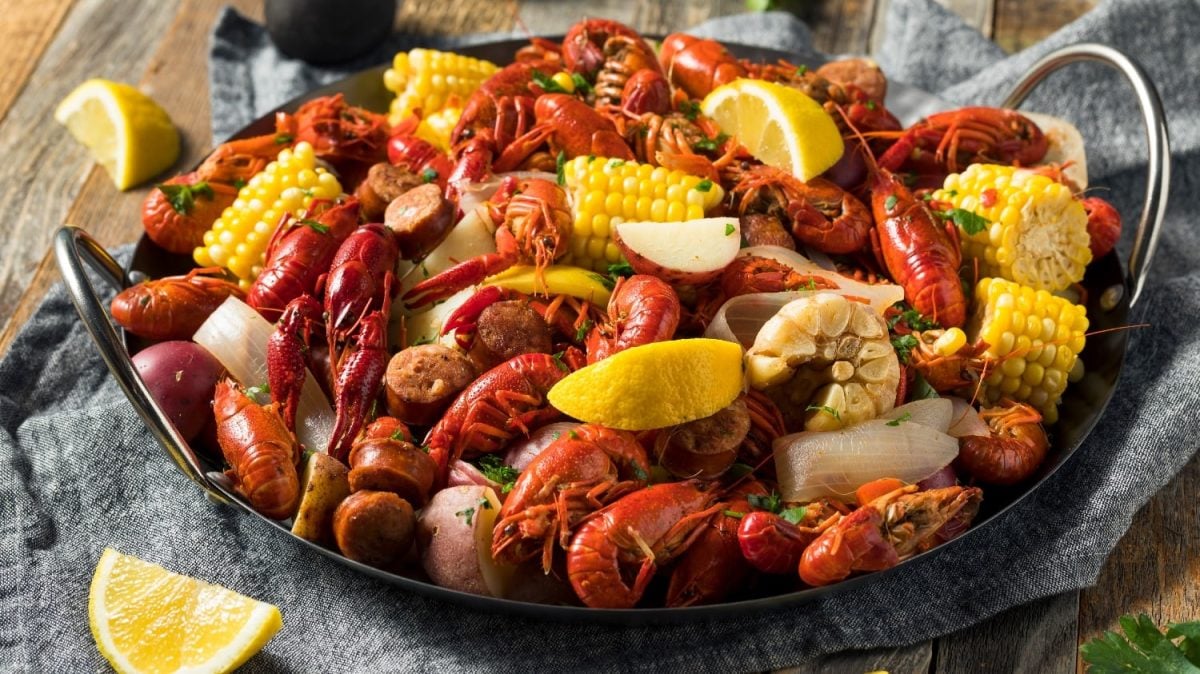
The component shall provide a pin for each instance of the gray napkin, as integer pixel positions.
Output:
(83, 473)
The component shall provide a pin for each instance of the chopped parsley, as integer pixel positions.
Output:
(1144, 648)
(690, 109)
(704, 185)
(284, 138)
(583, 329)
(620, 269)
(890, 203)
(607, 281)
(183, 197)
(547, 83)
(904, 345)
(239, 183)
(801, 70)
(263, 389)
(428, 175)
(398, 434)
(572, 434)
(969, 222)
(558, 360)
(493, 468)
(900, 419)
(710, 144)
(794, 515)
(740, 469)
(616, 163)
(733, 513)
(826, 409)
(771, 503)
(560, 167)
(466, 515)
(729, 228)
(921, 389)
(581, 83)
(314, 225)
(484, 504)
(912, 318)
(870, 104)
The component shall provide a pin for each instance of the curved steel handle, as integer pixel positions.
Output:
(71, 247)
(1158, 178)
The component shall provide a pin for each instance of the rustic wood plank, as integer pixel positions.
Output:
(1155, 569)
(1036, 637)
(905, 660)
(25, 33)
(44, 167)
(1019, 24)
(439, 17)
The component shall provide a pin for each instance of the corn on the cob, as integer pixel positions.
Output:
(436, 128)
(1034, 336)
(1037, 230)
(607, 192)
(426, 79)
(238, 239)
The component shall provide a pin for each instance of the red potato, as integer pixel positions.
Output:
(455, 535)
(181, 377)
(691, 252)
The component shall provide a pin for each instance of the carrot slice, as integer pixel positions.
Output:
(876, 488)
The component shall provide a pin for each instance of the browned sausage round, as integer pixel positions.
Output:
(862, 73)
(506, 330)
(706, 447)
(374, 527)
(383, 184)
(766, 230)
(423, 380)
(385, 464)
(420, 218)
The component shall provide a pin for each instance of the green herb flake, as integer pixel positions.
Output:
(690, 109)
(704, 185)
(969, 222)
(729, 229)
(284, 138)
(900, 419)
(572, 434)
(640, 473)
(485, 504)
(183, 197)
(826, 409)
(738, 470)
(620, 269)
(871, 104)
(493, 468)
(583, 329)
(239, 183)
(558, 360)
(466, 515)
(606, 281)
(904, 346)
(560, 167)
(801, 71)
(260, 391)
(429, 175)
(1144, 648)
(889, 203)
(581, 83)
(733, 513)
(771, 503)
(706, 145)
(314, 225)
(921, 390)
(794, 515)
(547, 83)
(398, 434)
(615, 163)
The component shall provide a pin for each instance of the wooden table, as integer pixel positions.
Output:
(51, 45)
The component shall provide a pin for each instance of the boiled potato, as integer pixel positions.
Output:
(454, 531)
(323, 486)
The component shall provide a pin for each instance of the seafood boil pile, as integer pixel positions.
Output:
(624, 325)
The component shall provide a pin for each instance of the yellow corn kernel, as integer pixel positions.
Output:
(427, 79)
(564, 81)
(950, 342)
(1037, 232)
(1035, 339)
(607, 192)
(238, 238)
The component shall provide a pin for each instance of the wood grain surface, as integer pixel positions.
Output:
(50, 46)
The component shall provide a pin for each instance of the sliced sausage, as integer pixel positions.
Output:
(420, 218)
(506, 330)
(385, 464)
(423, 380)
(704, 448)
(374, 527)
(860, 72)
(382, 185)
(766, 230)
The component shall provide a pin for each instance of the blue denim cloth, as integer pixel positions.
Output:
(82, 472)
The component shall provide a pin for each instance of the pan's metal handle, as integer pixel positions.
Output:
(1158, 178)
(72, 246)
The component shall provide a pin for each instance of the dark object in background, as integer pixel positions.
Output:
(328, 31)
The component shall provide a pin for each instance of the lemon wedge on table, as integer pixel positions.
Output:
(780, 126)
(654, 385)
(147, 619)
(125, 130)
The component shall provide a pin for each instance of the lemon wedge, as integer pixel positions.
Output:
(559, 279)
(147, 619)
(125, 130)
(779, 125)
(654, 385)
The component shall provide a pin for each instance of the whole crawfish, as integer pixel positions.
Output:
(632, 538)
(359, 372)
(959, 371)
(535, 225)
(172, 307)
(504, 401)
(300, 253)
(713, 566)
(920, 253)
(593, 46)
(641, 310)
(822, 215)
(775, 545)
(178, 212)
(580, 472)
(698, 65)
(288, 353)
(349, 137)
(947, 142)
(571, 127)
(260, 451)
(361, 278)
(886, 531)
(1014, 450)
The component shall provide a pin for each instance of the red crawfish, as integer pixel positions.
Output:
(299, 254)
(920, 252)
(260, 451)
(359, 378)
(713, 567)
(886, 531)
(571, 127)
(632, 538)
(698, 65)
(172, 307)
(504, 401)
(288, 353)
(535, 225)
(641, 310)
(581, 471)
(773, 544)
(822, 215)
(349, 137)
(593, 46)
(361, 279)
(1012, 452)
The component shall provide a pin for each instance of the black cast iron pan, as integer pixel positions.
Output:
(1112, 292)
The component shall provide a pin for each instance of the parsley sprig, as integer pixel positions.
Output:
(1145, 648)
(183, 197)
(971, 223)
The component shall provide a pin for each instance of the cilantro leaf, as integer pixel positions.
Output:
(704, 185)
(183, 197)
(729, 229)
(493, 468)
(1144, 648)
(794, 515)
(733, 513)
(969, 222)
(690, 109)
(558, 360)
(284, 138)
(890, 203)
(607, 281)
(904, 346)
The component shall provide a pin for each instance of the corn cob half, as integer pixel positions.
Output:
(238, 239)
(607, 192)
(1034, 337)
(426, 79)
(1037, 230)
